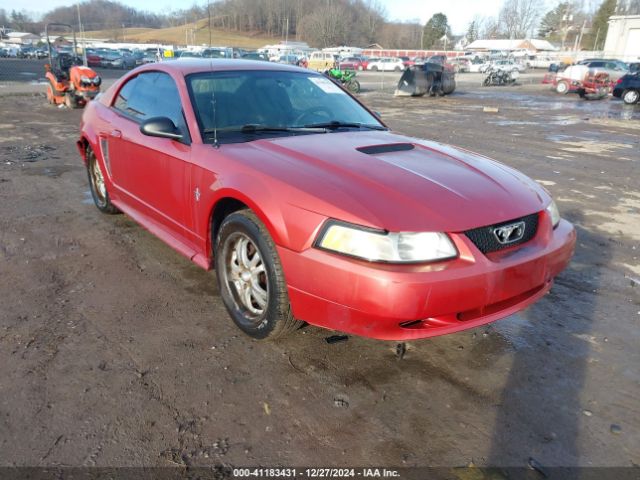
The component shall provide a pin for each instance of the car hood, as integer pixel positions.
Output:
(394, 182)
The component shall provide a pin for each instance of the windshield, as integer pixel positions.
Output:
(239, 106)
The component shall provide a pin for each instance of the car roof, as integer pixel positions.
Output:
(198, 65)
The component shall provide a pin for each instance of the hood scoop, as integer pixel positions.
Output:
(388, 148)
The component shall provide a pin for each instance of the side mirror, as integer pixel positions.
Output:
(161, 127)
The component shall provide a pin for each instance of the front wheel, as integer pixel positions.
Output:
(631, 97)
(250, 278)
(374, 69)
(353, 86)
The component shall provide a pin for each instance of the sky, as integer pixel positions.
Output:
(459, 12)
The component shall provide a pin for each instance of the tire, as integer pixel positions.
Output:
(98, 186)
(353, 86)
(562, 87)
(486, 82)
(397, 69)
(630, 97)
(255, 296)
(50, 95)
(374, 69)
(70, 100)
(448, 84)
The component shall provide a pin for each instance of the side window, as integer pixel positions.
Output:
(151, 94)
(125, 94)
(141, 102)
(168, 102)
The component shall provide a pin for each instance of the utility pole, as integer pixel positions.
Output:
(209, 14)
(80, 31)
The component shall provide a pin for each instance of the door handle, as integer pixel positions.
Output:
(116, 133)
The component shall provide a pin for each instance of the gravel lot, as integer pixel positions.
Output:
(117, 351)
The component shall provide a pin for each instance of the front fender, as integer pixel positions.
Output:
(290, 226)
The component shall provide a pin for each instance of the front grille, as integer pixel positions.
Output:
(486, 241)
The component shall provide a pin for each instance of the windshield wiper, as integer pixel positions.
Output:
(335, 124)
(252, 127)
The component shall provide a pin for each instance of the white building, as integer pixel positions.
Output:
(530, 45)
(623, 38)
(344, 51)
(22, 38)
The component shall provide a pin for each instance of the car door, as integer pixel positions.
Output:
(150, 171)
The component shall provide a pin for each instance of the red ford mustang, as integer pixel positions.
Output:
(311, 210)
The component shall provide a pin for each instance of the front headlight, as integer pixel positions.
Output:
(554, 213)
(380, 246)
(86, 80)
(97, 80)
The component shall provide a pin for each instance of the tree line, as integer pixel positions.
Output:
(324, 23)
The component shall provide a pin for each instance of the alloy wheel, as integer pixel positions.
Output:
(246, 276)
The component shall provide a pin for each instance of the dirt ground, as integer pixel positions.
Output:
(117, 351)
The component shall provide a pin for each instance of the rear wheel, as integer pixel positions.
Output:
(97, 185)
(630, 97)
(250, 278)
(397, 69)
(374, 69)
(562, 87)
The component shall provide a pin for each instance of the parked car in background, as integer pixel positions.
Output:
(537, 61)
(10, 51)
(386, 64)
(289, 59)
(93, 58)
(406, 61)
(110, 58)
(24, 52)
(217, 53)
(263, 57)
(628, 88)
(351, 63)
(460, 64)
(321, 61)
(615, 68)
(508, 66)
(122, 62)
(188, 54)
(634, 67)
(311, 210)
(4, 52)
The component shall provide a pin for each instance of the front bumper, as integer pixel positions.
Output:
(404, 302)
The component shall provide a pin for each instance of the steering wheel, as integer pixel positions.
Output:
(312, 111)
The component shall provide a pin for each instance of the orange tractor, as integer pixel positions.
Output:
(70, 81)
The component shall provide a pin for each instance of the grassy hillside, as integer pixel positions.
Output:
(178, 36)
